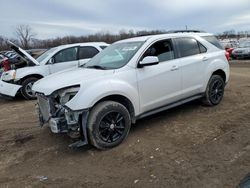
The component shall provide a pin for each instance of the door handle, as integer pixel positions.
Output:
(204, 59)
(174, 68)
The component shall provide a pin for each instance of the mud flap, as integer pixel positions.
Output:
(83, 132)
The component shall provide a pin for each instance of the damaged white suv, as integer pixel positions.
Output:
(129, 80)
(22, 76)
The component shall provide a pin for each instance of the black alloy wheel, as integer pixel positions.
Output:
(112, 127)
(216, 91)
(108, 125)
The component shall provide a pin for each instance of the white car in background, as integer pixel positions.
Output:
(52, 61)
(129, 80)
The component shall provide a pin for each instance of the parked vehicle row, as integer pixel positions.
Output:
(97, 102)
(22, 76)
(12, 60)
(242, 52)
(95, 97)
(237, 49)
(229, 46)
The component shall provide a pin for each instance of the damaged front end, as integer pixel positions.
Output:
(61, 119)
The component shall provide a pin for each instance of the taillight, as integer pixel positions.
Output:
(227, 55)
(6, 65)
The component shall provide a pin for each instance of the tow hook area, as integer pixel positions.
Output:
(54, 122)
(83, 132)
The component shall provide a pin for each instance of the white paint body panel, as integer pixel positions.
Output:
(147, 88)
(159, 84)
(8, 89)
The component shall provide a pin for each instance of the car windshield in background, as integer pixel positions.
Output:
(245, 45)
(114, 56)
(213, 40)
(45, 54)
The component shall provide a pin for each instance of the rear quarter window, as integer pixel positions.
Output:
(213, 40)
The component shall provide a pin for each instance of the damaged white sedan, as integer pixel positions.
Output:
(23, 75)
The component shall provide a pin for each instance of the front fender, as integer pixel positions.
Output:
(89, 95)
(26, 71)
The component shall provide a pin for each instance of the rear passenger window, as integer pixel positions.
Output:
(87, 52)
(162, 49)
(187, 46)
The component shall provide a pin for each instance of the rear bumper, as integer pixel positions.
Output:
(9, 89)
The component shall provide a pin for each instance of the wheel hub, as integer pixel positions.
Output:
(112, 126)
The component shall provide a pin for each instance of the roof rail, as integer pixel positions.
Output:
(186, 31)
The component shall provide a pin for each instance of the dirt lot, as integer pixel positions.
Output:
(189, 146)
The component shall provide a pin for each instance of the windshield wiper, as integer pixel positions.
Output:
(96, 67)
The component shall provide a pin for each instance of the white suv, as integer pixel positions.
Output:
(129, 80)
(22, 75)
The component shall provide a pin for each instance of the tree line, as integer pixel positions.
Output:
(232, 34)
(26, 37)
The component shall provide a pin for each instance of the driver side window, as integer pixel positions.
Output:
(66, 55)
(162, 49)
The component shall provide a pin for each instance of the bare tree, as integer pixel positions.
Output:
(25, 35)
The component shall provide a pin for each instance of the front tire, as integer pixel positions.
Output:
(215, 91)
(26, 89)
(108, 124)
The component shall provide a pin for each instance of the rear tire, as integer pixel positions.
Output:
(108, 124)
(215, 91)
(26, 89)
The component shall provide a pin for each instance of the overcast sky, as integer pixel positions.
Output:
(51, 18)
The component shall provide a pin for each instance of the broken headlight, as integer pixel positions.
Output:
(65, 95)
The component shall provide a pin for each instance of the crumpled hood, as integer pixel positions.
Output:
(63, 79)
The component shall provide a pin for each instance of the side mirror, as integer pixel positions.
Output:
(51, 61)
(149, 61)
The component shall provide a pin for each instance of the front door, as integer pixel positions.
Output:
(160, 84)
(64, 59)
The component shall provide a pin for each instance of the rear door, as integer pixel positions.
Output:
(86, 53)
(193, 59)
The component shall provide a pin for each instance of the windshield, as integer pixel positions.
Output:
(245, 44)
(115, 56)
(45, 54)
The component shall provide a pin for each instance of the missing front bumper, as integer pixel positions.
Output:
(65, 124)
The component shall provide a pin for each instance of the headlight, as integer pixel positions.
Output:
(9, 75)
(65, 95)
